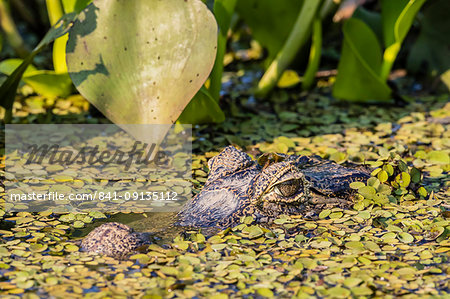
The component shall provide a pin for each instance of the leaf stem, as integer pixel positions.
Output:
(11, 32)
(55, 12)
(223, 11)
(298, 36)
(314, 54)
(8, 116)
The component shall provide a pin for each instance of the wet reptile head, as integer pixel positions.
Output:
(275, 184)
(279, 182)
(113, 239)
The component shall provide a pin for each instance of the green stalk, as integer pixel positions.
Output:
(55, 12)
(328, 7)
(215, 79)
(11, 32)
(389, 56)
(223, 10)
(314, 54)
(8, 116)
(297, 37)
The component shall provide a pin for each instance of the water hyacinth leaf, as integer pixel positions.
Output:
(202, 109)
(324, 214)
(360, 65)
(8, 66)
(9, 87)
(402, 166)
(397, 18)
(430, 50)
(362, 291)
(38, 247)
(71, 248)
(49, 83)
(375, 172)
(371, 18)
(142, 63)
(265, 292)
(270, 21)
(384, 189)
(374, 182)
(255, 232)
(300, 33)
(338, 292)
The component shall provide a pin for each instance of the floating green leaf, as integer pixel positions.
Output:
(403, 179)
(367, 191)
(405, 237)
(382, 176)
(439, 157)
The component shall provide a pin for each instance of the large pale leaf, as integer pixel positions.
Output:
(359, 68)
(141, 62)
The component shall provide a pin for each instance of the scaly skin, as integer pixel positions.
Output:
(238, 186)
(113, 239)
(294, 185)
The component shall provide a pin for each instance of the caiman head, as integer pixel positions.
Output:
(275, 184)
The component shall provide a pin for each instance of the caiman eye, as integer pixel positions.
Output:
(287, 188)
